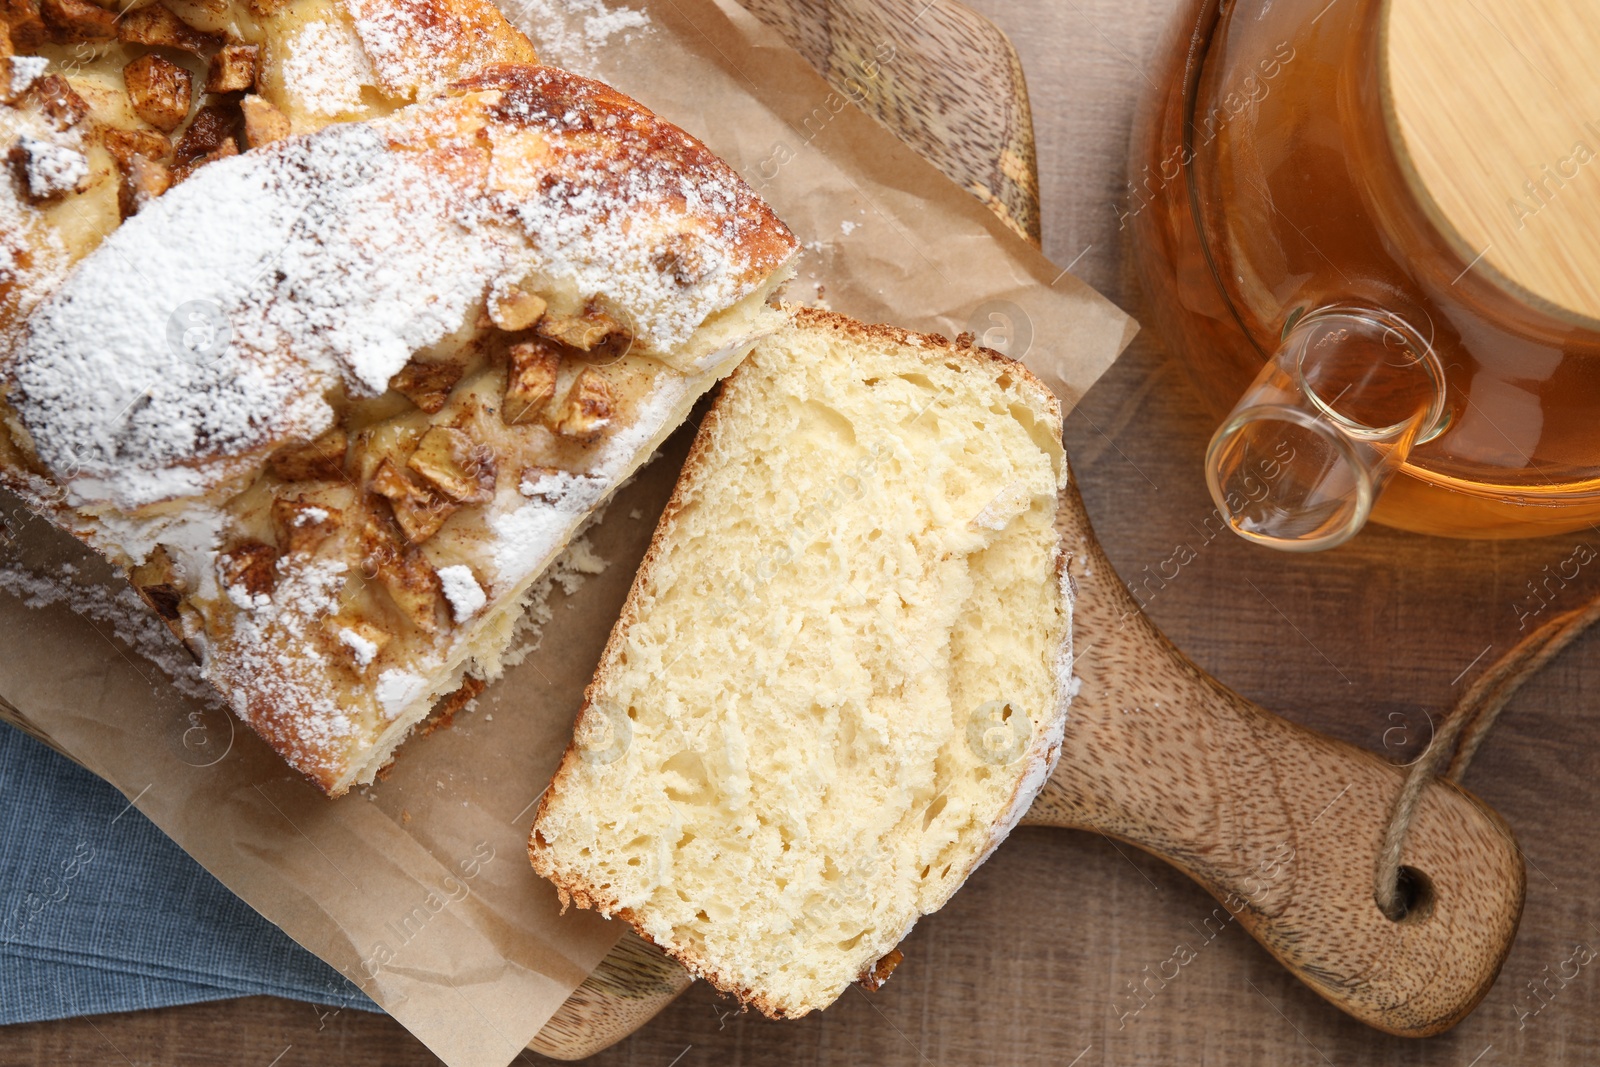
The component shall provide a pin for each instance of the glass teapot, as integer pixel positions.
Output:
(1370, 229)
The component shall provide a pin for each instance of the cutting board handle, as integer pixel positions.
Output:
(1280, 824)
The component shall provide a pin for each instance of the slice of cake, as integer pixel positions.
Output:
(842, 672)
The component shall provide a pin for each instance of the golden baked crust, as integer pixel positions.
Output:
(276, 392)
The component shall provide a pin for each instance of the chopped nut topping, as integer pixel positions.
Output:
(530, 381)
(48, 170)
(250, 567)
(427, 385)
(313, 461)
(378, 541)
(18, 73)
(161, 587)
(404, 573)
(302, 525)
(75, 21)
(157, 25)
(212, 131)
(163, 598)
(456, 465)
(57, 100)
(160, 91)
(143, 181)
(413, 585)
(419, 512)
(516, 310)
(25, 23)
(358, 640)
(230, 147)
(139, 156)
(263, 123)
(586, 412)
(583, 331)
(233, 69)
(126, 145)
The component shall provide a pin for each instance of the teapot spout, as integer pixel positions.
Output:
(1327, 423)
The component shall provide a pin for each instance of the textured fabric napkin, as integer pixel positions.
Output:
(101, 912)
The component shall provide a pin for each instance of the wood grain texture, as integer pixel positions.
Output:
(632, 984)
(946, 80)
(1495, 113)
(1362, 643)
(1281, 825)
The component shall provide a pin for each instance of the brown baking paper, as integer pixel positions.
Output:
(418, 888)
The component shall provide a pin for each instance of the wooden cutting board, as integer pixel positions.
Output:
(1278, 823)
(954, 91)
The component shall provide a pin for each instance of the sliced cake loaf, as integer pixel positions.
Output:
(336, 402)
(842, 673)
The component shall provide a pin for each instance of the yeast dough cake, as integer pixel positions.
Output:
(336, 390)
(104, 107)
(842, 673)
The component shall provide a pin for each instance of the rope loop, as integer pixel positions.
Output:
(1455, 743)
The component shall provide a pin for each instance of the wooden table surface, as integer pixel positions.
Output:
(1037, 959)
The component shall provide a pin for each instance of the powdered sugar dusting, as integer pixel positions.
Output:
(419, 47)
(229, 316)
(361, 649)
(525, 536)
(325, 69)
(330, 260)
(462, 590)
(270, 661)
(384, 39)
(574, 33)
(528, 536)
(206, 330)
(398, 690)
(25, 70)
(196, 532)
(667, 272)
(32, 254)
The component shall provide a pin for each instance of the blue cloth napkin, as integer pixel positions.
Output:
(101, 912)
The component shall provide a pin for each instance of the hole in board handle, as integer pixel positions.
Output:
(1415, 894)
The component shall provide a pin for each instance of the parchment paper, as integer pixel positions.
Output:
(418, 889)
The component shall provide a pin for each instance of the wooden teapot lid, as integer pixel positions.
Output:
(1494, 108)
